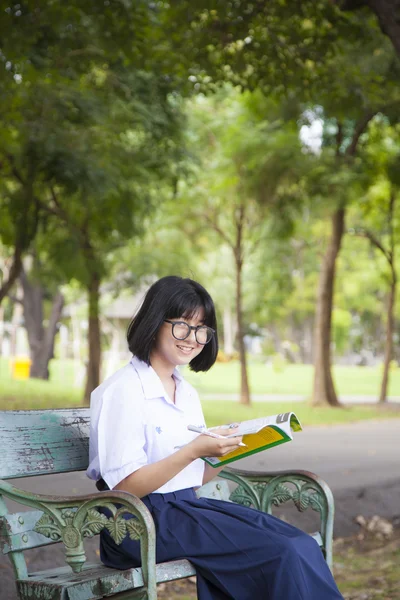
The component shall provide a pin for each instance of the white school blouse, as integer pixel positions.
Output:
(133, 423)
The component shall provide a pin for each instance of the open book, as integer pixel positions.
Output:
(258, 435)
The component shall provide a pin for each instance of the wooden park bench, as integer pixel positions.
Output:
(56, 441)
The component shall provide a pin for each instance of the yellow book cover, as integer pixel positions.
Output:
(258, 435)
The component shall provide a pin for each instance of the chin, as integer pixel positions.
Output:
(184, 361)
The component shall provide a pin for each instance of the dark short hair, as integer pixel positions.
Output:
(172, 297)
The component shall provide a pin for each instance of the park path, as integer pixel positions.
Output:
(359, 461)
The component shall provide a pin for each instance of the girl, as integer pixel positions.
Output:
(139, 443)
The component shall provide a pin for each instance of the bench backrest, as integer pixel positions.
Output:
(40, 442)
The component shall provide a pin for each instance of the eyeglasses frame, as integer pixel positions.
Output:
(194, 328)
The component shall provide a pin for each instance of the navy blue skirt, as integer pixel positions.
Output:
(239, 553)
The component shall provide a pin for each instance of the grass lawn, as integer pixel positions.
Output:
(218, 412)
(27, 394)
(293, 379)
(61, 392)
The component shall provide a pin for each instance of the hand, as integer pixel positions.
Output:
(204, 445)
(225, 430)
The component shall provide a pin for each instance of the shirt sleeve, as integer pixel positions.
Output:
(121, 433)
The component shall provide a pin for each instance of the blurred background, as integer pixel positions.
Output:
(252, 146)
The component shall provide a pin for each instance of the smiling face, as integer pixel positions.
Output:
(171, 352)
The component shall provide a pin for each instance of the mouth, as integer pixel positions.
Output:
(185, 349)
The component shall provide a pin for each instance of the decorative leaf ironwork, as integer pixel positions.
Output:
(117, 528)
(301, 500)
(135, 529)
(94, 523)
(240, 496)
(281, 494)
(316, 502)
(260, 488)
(48, 527)
(68, 515)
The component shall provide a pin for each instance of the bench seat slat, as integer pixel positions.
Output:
(95, 580)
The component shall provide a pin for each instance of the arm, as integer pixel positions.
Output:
(210, 472)
(151, 477)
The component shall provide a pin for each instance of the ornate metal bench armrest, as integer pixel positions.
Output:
(71, 518)
(264, 489)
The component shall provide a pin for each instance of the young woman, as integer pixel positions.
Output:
(140, 443)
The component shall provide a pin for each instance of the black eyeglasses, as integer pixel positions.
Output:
(181, 331)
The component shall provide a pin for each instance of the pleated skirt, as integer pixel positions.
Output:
(239, 553)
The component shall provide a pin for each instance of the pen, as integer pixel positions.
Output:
(210, 434)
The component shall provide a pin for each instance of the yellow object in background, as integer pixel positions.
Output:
(21, 366)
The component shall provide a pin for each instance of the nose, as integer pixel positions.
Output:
(192, 336)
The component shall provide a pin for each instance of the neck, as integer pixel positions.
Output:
(163, 370)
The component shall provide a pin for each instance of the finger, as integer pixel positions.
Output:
(225, 432)
(231, 449)
(230, 432)
(234, 441)
(222, 431)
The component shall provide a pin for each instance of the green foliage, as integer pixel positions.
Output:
(341, 323)
(270, 46)
(90, 129)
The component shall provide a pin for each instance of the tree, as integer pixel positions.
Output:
(346, 120)
(320, 58)
(41, 331)
(245, 170)
(50, 52)
(109, 202)
(387, 11)
(379, 222)
(85, 141)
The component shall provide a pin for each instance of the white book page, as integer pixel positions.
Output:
(254, 425)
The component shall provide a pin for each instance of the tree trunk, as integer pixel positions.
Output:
(16, 322)
(94, 341)
(13, 273)
(41, 359)
(41, 339)
(324, 390)
(389, 339)
(2, 328)
(308, 328)
(387, 11)
(228, 336)
(244, 383)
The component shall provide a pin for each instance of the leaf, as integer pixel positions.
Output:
(240, 496)
(117, 529)
(94, 523)
(301, 500)
(316, 502)
(135, 529)
(281, 494)
(47, 527)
